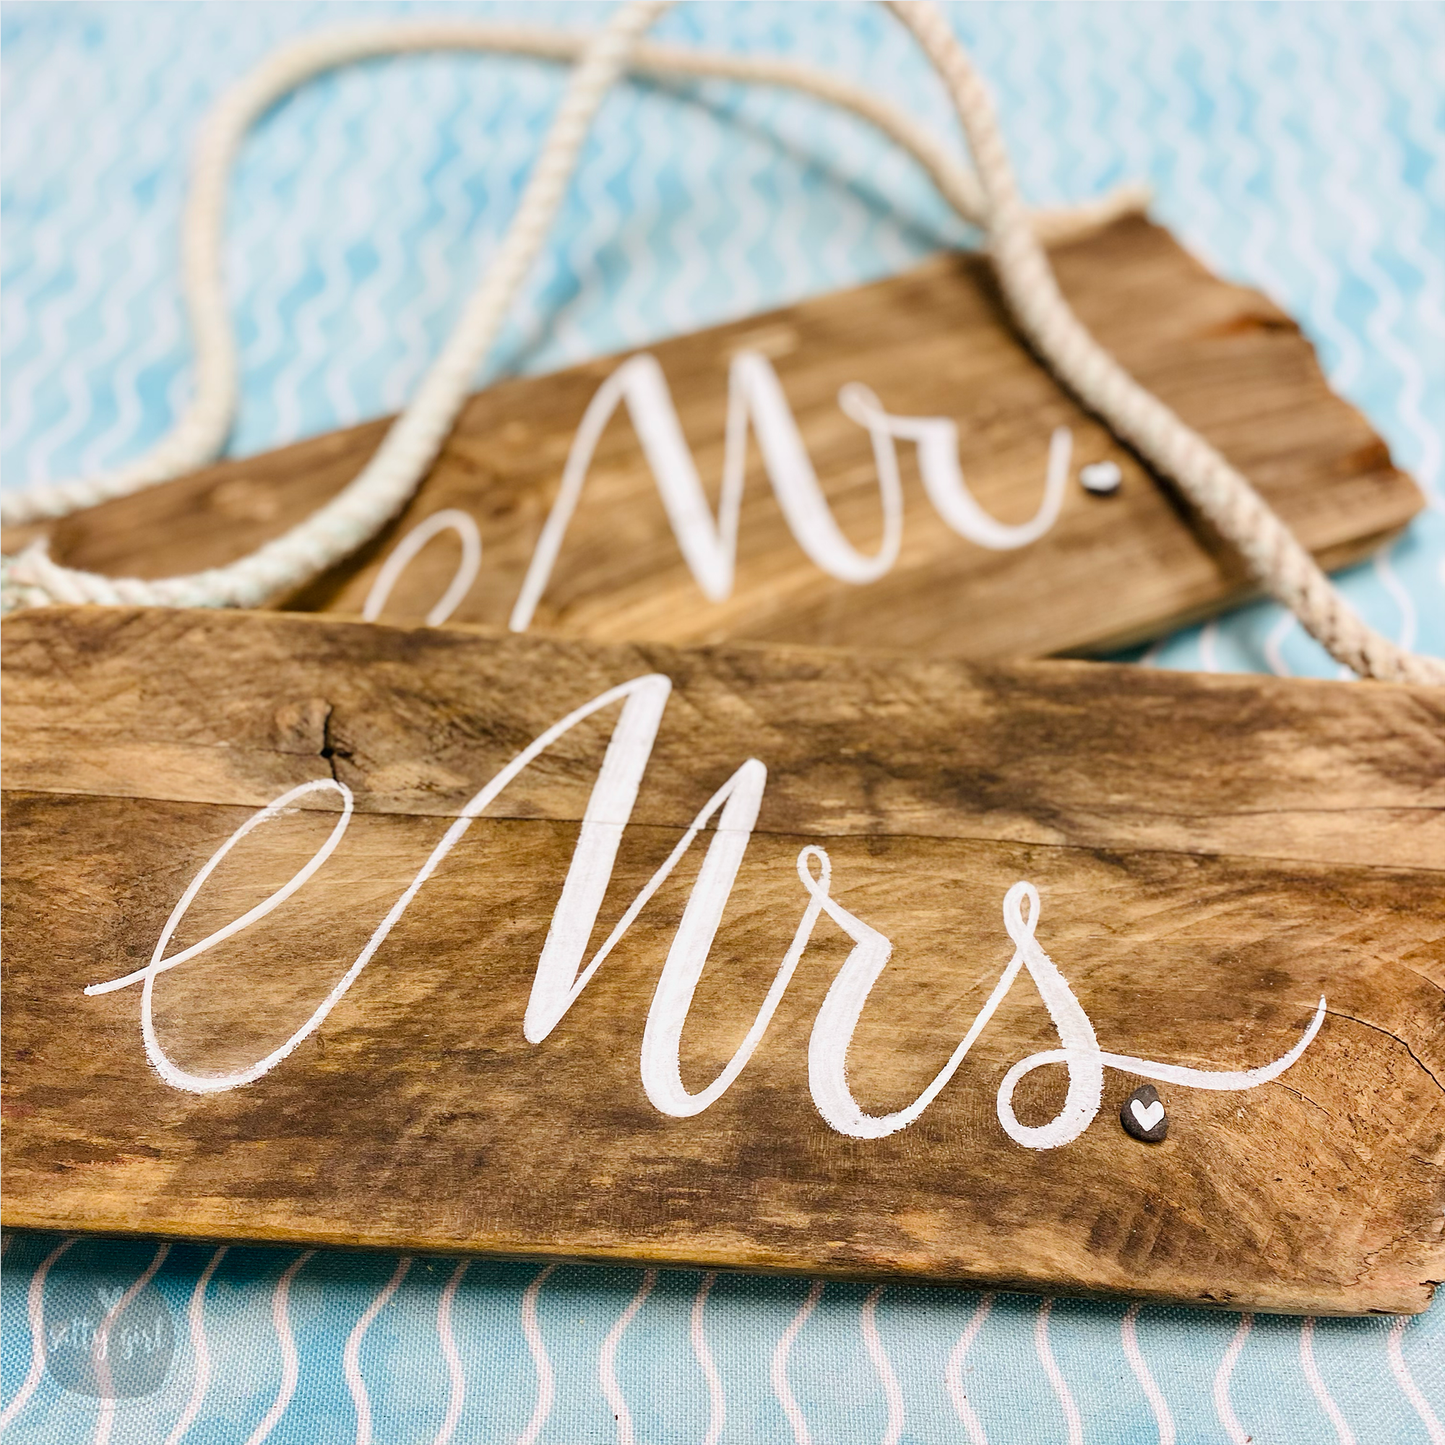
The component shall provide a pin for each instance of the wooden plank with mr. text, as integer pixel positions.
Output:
(934, 343)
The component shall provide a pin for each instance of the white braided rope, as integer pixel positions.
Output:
(1225, 498)
(199, 435)
(337, 529)
(379, 491)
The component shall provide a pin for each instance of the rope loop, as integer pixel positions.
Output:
(987, 197)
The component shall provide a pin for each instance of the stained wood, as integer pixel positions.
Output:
(1212, 854)
(934, 342)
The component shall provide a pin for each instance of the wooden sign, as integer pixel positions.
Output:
(775, 959)
(913, 478)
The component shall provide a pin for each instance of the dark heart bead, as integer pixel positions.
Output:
(1143, 1115)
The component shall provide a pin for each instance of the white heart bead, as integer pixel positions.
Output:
(1149, 1117)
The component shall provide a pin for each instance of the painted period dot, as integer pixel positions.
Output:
(1103, 479)
(1143, 1115)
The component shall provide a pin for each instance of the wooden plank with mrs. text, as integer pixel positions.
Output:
(467, 987)
(971, 422)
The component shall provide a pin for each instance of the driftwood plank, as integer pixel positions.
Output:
(933, 343)
(1211, 856)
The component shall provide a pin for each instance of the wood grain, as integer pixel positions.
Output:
(934, 342)
(1212, 854)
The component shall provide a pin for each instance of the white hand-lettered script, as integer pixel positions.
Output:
(709, 544)
(561, 974)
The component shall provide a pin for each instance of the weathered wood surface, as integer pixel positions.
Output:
(1212, 855)
(934, 342)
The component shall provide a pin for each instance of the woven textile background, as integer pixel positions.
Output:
(1300, 148)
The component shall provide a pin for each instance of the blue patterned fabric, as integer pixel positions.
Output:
(1298, 148)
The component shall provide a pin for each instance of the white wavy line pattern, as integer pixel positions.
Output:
(1073, 1421)
(35, 1317)
(1223, 1405)
(456, 1376)
(1406, 1381)
(836, 1390)
(607, 1360)
(778, 1369)
(541, 1363)
(1343, 1434)
(953, 1372)
(892, 1390)
(200, 1350)
(716, 1399)
(1129, 1338)
(286, 1343)
(105, 1420)
(351, 1356)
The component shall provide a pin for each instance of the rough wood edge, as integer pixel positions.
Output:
(1408, 1302)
